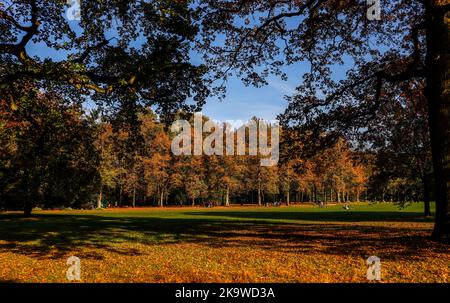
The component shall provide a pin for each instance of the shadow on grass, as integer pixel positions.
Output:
(323, 216)
(55, 236)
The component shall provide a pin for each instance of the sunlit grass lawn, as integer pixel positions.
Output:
(236, 244)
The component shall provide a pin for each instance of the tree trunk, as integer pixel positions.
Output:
(227, 197)
(100, 198)
(27, 208)
(134, 197)
(287, 198)
(161, 199)
(259, 196)
(120, 196)
(437, 92)
(426, 197)
(315, 194)
(193, 201)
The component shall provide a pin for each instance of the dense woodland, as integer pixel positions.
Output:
(55, 155)
(380, 131)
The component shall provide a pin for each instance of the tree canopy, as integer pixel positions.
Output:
(121, 54)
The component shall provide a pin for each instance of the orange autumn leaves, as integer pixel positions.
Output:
(296, 244)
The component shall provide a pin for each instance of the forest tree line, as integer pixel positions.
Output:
(54, 154)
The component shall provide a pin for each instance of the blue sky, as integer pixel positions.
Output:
(241, 102)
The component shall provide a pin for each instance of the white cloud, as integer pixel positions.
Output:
(282, 86)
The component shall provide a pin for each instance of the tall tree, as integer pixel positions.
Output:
(52, 158)
(401, 137)
(109, 167)
(157, 166)
(195, 183)
(286, 178)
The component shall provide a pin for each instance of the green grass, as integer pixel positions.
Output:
(236, 244)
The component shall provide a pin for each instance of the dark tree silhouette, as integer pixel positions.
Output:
(122, 54)
(411, 41)
(401, 139)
